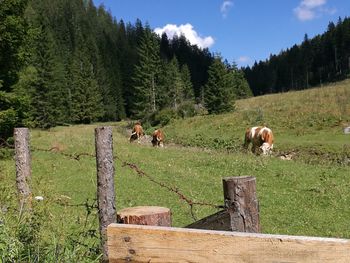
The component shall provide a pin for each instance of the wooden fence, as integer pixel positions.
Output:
(202, 241)
(135, 243)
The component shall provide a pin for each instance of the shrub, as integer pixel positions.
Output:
(13, 113)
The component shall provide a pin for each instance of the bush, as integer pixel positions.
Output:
(13, 113)
(162, 118)
(186, 110)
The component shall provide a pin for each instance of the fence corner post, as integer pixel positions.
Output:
(23, 165)
(242, 203)
(105, 183)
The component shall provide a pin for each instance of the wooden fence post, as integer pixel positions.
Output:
(105, 183)
(242, 204)
(23, 165)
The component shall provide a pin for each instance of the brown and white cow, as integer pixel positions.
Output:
(261, 139)
(137, 132)
(158, 138)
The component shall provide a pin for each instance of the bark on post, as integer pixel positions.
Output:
(242, 204)
(145, 215)
(105, 183)
(23, 165)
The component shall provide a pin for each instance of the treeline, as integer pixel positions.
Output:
(67, 61)
(324, 58)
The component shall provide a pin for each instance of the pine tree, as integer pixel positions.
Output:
(241, 88)
(146, 75)
(86, 98)
(12, 34)
(218, 92)
(188, 86)
(176, 84)
(47, 94)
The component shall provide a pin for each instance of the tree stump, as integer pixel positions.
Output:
(145, 215)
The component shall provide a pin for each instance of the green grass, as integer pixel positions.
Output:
(309, 122)
(306, 196)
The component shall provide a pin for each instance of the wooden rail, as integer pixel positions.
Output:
(136, 243)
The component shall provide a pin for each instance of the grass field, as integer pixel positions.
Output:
(308, 195)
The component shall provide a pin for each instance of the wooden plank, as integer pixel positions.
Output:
(136, 243)
(218, 221)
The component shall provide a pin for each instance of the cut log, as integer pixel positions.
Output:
(145, 215)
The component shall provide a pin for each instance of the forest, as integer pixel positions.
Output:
(70, 62)
(322, 59)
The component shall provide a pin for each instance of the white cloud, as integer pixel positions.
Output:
(312, 3)
(304, 14)
(187, 30)
(244, 59)
(225, 7)
(310, 9)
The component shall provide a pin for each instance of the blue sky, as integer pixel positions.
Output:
(242, 31)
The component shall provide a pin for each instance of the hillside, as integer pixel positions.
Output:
(310, 121)
(298, 197)
(321, 59)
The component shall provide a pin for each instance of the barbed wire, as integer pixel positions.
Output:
(139, 172)
(75, 156)
(6, 144)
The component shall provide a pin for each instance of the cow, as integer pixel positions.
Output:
(261, 138)
(137, 132)
(158, 138)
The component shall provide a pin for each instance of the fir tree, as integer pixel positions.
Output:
(188, 86)
(86, 98)
(218, 94)
(146, 75)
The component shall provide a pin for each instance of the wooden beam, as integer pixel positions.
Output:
(136, 243)
(218, 221)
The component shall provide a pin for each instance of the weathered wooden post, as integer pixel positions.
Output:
(242, 203)
(23, 165)
(241, 208)
(105, 183)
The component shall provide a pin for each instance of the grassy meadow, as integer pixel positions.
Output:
(308, 195)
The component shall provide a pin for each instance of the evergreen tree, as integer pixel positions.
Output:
(176, 87)
(188, 86)
(146, 75)
(86, 98)
(218, 92)
(241, 88)
(47, 94)
(12, 34)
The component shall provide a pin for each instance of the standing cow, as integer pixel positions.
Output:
(261, 139)
(137, 132)
(158, 138)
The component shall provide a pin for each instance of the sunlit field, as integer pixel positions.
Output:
(307, 195)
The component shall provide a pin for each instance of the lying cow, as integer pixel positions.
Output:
(261, 139)
(137, 132)
(158, 138)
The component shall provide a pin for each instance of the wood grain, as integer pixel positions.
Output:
(135, 243)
